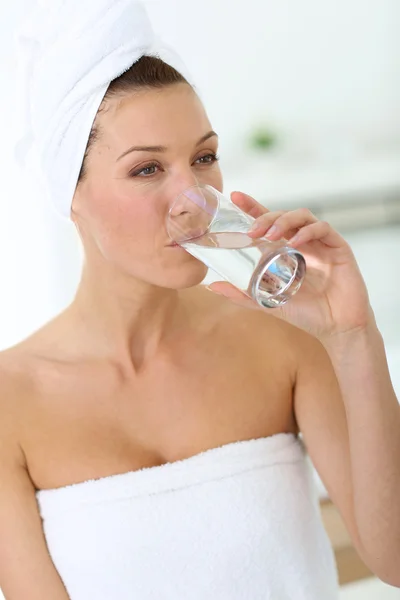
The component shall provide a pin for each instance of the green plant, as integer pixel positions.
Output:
(262, 138)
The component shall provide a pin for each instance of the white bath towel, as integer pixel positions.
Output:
(237, 522)
(68, 53)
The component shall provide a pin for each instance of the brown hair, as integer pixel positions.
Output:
(149, 72)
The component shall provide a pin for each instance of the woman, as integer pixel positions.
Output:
(149, 432)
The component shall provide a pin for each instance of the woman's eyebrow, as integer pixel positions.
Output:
(203, 139)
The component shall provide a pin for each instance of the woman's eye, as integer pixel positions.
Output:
(150, 169)
(145, 171)
(208, 159)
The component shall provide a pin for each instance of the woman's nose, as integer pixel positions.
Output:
(189, 202)
(191, 213)
(185, 183)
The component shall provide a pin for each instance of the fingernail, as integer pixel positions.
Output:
(271, 231)
(254, 226)
(213, 291)
(294, 239)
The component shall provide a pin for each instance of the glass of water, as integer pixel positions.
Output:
(210, 227)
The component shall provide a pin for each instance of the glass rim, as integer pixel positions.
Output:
(205, 186)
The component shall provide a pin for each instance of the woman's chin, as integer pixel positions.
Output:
(187, 275)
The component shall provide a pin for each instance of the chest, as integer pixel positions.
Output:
(91, 422)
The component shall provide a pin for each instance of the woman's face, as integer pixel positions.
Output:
(121, 206)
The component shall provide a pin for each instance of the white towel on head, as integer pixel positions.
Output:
(68, 53)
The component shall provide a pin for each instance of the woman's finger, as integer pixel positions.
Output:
(298, 226)
(264, 223)
(289, 222)
(232, 293)
(248, 205)
(321, 231)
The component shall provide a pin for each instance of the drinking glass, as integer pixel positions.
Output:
(214, 230)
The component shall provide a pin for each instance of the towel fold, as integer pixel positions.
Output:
(237, 522)
(68, 53)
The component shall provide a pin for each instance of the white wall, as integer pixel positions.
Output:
(314, 69)
(307, 65)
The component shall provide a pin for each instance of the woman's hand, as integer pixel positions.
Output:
(333, 298)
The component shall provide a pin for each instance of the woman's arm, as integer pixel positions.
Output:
(373, 417)
(351, 431)
(348, 411)
(26, 569)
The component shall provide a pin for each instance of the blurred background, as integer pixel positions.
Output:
(305, 96)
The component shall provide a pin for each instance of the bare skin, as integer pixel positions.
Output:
(85, 415)
(146, 367)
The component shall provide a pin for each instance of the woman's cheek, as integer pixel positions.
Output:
(143, 221)
(215, 179)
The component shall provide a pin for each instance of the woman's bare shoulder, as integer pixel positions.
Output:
(23, 358)
(16, 375)
(22, 372)
(20, 364)
(15, 389)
